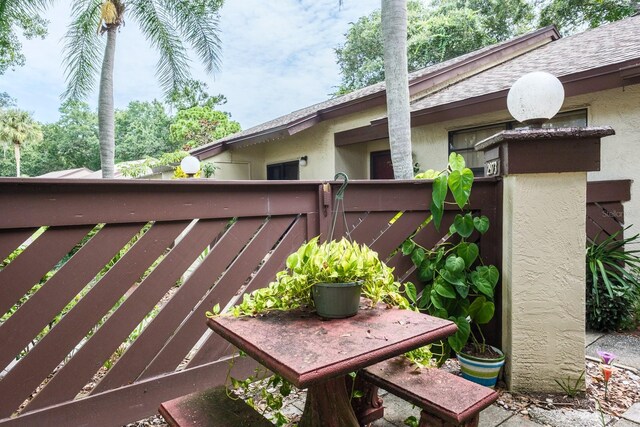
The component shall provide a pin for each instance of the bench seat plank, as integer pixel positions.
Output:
(211, 408)
(448, 396)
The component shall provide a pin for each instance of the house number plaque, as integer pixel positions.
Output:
(492, 167)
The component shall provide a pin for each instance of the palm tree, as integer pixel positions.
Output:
(17, 128)
(166, 25)
(394, 41)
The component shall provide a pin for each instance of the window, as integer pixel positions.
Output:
(463, 141)
(286, 170)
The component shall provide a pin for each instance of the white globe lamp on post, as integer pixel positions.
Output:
(190, 165)
(535, 98)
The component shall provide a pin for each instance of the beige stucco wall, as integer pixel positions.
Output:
(317, 143)
(543, 278)
(620, 153)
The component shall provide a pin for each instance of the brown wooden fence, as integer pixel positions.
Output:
(605, 212)
(62, 331)
(104, 308)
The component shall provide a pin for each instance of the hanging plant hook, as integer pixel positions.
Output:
(343, 187)
(339, 205)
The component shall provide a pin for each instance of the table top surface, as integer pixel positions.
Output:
(306, 349)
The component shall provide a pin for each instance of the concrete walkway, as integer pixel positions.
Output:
(627, 350)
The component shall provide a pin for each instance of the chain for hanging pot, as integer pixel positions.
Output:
(339, 205)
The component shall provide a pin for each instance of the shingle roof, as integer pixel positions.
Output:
(308, 113)
(609, 44)
(68, 173)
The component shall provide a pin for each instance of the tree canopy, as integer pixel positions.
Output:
(443, 29)
(437, 31)
(142, 129)
(574, 15)
(201, 125)
(18, 17)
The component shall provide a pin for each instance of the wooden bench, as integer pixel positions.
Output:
(211, 408)
(446, 400)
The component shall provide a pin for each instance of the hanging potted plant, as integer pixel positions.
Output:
(336, 271)
(330, 277)
(457, 285)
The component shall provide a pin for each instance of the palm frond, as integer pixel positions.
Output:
(155, 23)
(82, 50)
(17, 7)
(198, 23)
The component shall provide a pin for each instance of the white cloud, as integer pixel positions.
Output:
(276, 57)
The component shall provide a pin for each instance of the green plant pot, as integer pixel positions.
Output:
(337, 300)
(483, 371)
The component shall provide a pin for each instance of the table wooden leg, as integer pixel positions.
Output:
(328, 405)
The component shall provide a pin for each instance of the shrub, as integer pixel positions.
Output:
(613, 285)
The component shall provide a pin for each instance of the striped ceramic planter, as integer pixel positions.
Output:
(480, 370)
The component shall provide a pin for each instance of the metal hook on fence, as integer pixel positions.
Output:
(339, 204)
(343, 187)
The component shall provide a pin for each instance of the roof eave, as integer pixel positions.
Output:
(594, 80)
(378, 98)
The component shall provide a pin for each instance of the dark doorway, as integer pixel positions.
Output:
(286, 170)
(381, 166)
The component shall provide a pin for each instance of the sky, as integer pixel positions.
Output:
(277, 57)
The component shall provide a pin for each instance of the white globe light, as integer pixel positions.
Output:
(190, 165)
(535, 98)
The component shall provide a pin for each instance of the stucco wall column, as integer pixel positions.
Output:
(544, 237)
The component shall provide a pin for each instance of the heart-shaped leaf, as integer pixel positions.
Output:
(481, 223)
(454, 264)
(417, 256)
(460, 183)
(408, 246)
(444, 289)
(436, 301)
(462, 289)
(490, 273)
(459, 339)
(424, 300)
(438, 194)
(463, 225)
(481, 311)
(410, 290)
(468, 252)
(482, 284)
(426, 270)
(453, 278)
(456, 162)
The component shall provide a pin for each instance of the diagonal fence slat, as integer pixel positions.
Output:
(370, 226)
(153, 338)
(132, 402)
(397, 233)
(215, 346)
(38, 259)
(426, 237)
(25, 324)
(64, 385)
(20, 382)
(10, 240)
(233, 279)
(606, 223)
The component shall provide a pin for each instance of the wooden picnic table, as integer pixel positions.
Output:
(317, 354)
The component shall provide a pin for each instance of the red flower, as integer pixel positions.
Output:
(607, 370)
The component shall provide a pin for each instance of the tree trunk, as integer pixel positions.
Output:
(394, 41)
(16, 152)
(106, 122)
